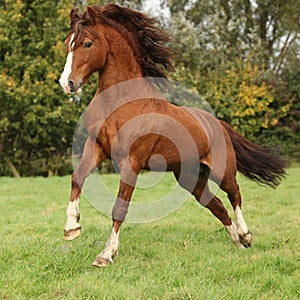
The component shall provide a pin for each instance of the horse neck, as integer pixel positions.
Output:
(121, 64)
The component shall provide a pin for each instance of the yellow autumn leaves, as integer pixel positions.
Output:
(241, 97)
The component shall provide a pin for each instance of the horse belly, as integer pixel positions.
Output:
(168, 156)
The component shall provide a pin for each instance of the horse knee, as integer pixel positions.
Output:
(120, 210)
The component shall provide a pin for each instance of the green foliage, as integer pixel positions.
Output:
(243, 58)
(37, 119)
(239, 98)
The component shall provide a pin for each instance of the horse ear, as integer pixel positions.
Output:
(72, 15)
(92, 15)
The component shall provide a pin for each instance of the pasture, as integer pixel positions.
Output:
(187, 255)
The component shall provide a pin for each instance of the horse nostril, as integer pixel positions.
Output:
(71, 85)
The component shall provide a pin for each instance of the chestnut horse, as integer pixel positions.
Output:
(125, 48)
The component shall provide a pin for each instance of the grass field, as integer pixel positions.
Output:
(187, 255)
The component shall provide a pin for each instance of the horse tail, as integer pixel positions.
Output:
(255, 162)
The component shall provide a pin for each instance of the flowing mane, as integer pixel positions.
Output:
(146, 39)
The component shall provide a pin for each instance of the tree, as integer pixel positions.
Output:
(242, 98)
(37, 119)
(216, 38)
(264, 30)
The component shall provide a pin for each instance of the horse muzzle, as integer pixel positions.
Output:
(74, 88)
(70, 86)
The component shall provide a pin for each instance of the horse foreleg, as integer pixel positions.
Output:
(109, 251)
(119, 212)
(92, 156)
(72, 229)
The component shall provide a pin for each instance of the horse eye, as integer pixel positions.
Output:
(88, 45)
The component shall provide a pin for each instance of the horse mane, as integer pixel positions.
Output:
(146, 39)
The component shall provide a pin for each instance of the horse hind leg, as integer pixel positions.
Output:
(232, 189)
(207, 199)
(217, 209)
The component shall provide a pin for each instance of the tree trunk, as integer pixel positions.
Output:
(12, 167)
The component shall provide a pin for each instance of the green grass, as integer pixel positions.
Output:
(187, 255)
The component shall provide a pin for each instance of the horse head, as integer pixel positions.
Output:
(87, 50)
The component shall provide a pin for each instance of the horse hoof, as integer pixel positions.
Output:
(72, 234)
(101, 262)
(246, 239)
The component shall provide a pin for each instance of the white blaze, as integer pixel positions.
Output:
(64, 78)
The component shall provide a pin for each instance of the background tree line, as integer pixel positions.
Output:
(242, 56)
